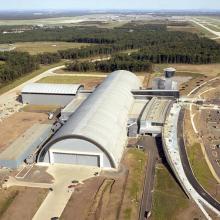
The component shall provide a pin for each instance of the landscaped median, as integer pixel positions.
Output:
(201, 170)
(198, 162)
(169, 200)
(135, 160)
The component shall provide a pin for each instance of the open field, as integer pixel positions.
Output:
(201, 169)
(22, 79)
(1, 62)
(202, 31)
(64, 71)
(169, 201)
(41, 47)
(209, 26)
(44, 21)
(197, 160)
(88, 82)
(20, 203)
(189, 28)
(135, 161)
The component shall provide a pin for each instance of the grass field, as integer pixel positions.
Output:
(202, 31)
(23, 79)
(63, 79)
(88, 82)
(1, 62)
(169, 201)
(135, 161)
(64, 71)
(188, 28)
(201, 169)
(205, 69)
(41, 47)
(213, 27)
(197, 159)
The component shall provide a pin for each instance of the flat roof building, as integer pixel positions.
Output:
(26, 144)
(96, 133)
(154, 115)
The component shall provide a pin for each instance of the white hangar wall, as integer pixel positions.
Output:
(49, 94)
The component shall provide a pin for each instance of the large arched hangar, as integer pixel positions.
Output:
(96, 133)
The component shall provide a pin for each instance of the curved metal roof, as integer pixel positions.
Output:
(103, 116)
(47, 88)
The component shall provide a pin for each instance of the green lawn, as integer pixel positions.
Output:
(168, 198)
(135, 162)
(136, 172)
(201, 169)
(203, 31)
(42, 47)
(190, 74)
(63, 79)
(17, 82)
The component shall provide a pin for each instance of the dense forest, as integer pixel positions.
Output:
(16, 65)
(148, 43)
(117, 62)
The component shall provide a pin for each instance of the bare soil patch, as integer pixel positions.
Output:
(110, 195)
(38, 174)
(14, 126)
(20, 203)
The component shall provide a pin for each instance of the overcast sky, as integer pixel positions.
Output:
(109, 4)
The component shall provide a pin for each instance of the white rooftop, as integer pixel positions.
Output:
(47, 88)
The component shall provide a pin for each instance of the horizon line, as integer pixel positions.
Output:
(119, 9)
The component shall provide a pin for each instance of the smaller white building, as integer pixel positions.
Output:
(50, 94)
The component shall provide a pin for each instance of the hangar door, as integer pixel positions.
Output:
(77, 159)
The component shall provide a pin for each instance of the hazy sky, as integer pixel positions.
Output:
(109, 4)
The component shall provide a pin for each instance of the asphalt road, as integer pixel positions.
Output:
(188, 170)
(150, 147)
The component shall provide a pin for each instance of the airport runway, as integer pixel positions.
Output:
(188, 170)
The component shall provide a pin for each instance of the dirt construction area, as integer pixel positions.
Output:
(111, 195)
(14, 126)
(20, 203)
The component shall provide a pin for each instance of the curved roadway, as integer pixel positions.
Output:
(187, 167)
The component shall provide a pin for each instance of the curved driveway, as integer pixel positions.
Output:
(187, 167)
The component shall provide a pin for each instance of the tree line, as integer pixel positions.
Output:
(21, 63)
(154, 44)
(117, 62)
